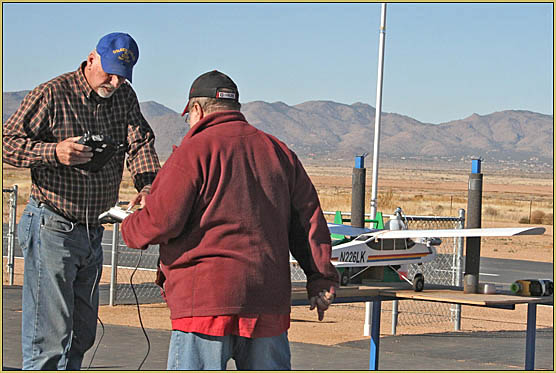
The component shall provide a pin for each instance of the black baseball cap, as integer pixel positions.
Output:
(213, 84)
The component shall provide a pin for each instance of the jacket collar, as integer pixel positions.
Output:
(214, 119)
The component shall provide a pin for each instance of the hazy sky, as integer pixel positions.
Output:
(442, 61)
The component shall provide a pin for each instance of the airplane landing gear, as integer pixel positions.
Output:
(344, 278)
(350, 275)
(418, 282)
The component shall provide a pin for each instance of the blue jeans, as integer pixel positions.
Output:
(60, 288)
(193, 351)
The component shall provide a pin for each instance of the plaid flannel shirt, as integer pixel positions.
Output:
(66, 106)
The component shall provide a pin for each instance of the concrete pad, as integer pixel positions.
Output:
(124, 348)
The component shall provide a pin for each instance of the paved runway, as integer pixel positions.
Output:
(123, 348)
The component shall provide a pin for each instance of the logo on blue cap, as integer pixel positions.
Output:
(118, 54)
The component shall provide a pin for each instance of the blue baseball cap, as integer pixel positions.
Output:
(118, 54)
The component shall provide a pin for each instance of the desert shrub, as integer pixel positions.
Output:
(386, 200)
(524, 220)
(548, 219)
(437, 210)
(537, 217)
(491, 211)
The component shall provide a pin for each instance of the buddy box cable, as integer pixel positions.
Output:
(139, 311)
(136, 303)
(104, 149)
(96, 276)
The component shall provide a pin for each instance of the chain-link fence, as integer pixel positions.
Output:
(132, 270)
(9, 203)
(446, 269)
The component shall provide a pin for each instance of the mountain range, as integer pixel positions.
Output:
(329, 130)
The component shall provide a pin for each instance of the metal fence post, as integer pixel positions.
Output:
(114, 269)
(11, 234)
(394, 316)
(459, 269)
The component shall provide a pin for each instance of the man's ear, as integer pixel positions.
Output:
(90, 58)
(200, 111)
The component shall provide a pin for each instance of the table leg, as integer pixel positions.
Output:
(375, 335)
(530, 336)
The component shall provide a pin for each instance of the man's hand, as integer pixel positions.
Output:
(70, 153)
(322, 301)
(139, 199)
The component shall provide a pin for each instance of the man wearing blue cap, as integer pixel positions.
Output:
(59, 231)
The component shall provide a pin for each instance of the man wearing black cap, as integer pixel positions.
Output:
(227, 208)
(59, 231)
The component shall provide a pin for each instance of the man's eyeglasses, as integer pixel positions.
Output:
(186, 117)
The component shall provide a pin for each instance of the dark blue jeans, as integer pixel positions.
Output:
(62, 271)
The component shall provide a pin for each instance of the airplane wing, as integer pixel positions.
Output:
(347, 230)
(471, 232)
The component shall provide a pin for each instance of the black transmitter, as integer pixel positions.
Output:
(103, 148)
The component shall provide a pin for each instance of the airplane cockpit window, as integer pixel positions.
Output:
(375, 245)
(391, 244)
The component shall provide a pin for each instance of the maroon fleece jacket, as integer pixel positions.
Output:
(227, 207)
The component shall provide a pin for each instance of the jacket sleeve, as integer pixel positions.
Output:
(25, 141)
(142, 160)
(167, 207)
(309, 237)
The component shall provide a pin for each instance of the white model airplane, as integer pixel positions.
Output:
(394, 248)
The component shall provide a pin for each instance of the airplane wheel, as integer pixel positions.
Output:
(344, 279)
(418, 282)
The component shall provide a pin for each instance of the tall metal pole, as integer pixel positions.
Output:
(374, 189)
